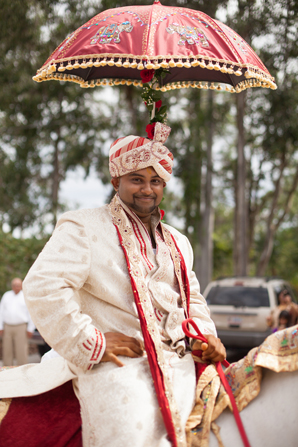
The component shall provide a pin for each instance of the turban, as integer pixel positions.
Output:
(132, 153)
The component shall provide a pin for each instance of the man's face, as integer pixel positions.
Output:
(141, 191)
(16, 285)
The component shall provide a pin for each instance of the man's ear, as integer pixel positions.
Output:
(115, 182)
(164, 184)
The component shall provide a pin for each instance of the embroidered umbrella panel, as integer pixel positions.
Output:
(114, 46)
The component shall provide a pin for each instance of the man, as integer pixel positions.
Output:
(109, 293)
(16, 325)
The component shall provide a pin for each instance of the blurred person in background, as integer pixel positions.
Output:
(285, 303)
(16, 325)
(284, 320)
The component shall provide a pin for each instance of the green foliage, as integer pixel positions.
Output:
(16, 257)
(151, 96)
(50, 128)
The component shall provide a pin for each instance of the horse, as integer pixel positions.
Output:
(270, 419)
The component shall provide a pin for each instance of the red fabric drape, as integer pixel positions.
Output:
(50, 419)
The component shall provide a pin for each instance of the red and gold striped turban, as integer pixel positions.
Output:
(132, 153)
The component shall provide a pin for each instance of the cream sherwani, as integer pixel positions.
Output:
(78, 289)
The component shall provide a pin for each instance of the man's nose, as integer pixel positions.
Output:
(147, 188)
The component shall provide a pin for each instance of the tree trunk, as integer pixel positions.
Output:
(271, 226)
(207, 217)
(55, 182)
(240, 246)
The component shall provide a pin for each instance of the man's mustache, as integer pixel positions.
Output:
(145, 197)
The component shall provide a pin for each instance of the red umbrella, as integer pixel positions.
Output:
(114, 46)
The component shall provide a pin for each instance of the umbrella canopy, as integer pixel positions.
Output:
(113, 48)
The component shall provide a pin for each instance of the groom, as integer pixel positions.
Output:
(109, 293)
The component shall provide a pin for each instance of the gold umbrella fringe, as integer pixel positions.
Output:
(250, 72)
(249, 83)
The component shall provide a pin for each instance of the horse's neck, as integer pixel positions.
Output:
(270, 419)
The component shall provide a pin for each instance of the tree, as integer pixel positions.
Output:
(47, 128)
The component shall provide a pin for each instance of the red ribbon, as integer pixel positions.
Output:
(200, 336)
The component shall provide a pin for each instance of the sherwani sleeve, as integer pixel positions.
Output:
(50, 287)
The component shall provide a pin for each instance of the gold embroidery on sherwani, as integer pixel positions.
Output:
(121, 221)
(176, 260)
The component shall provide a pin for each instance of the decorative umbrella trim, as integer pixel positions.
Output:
(90, 61)
(170, 86)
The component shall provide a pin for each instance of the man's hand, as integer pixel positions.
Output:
(1, 333)
(29, 334)
(214, 351)
(120, 344)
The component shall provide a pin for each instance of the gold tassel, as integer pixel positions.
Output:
(140, 66)
(133, 64)
(179, 63)
(61, 68)
(164, 64)
(126, 64)
(90, 63)
(97, 63)
(119, 62)
(156, 65)
(83, 64)
(172, 63)
(52, 68)
(149, 66)
(187, 64)
(210, 66)
(217, 66)
(111, 62)
(76, 65)
(194, 63)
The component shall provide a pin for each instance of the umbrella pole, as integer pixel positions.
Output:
(153, 111)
